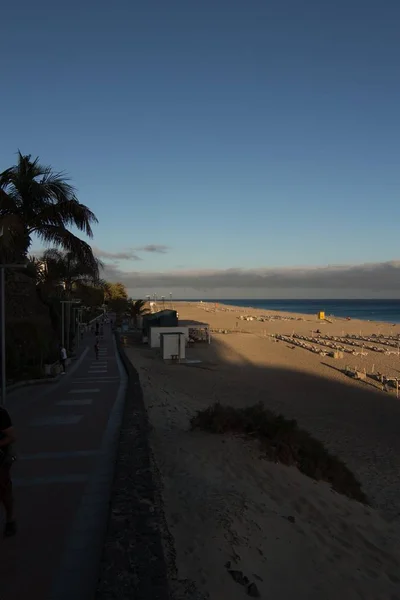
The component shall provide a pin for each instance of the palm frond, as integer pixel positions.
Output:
(138, 308)
(67, 270)
(35, 199)
(7, 203)
(29, 169)
(7, 177)
(64, 239)
(52, 254)
(66, 212)
(11, 225)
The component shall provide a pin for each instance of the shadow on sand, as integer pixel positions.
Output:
(355, 421)
(358, 424)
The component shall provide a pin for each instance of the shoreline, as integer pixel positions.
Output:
(229, 304)
(292, 316)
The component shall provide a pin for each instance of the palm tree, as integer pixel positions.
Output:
(61, 276)
(66, 269)
(137, 309)
(34, 200)
(65, 272)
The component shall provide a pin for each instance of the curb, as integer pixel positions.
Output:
(134, 564)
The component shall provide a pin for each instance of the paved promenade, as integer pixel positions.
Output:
(67, 434)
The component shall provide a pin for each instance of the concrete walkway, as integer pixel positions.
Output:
(67, 438)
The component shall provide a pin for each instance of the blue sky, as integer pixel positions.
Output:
(242, 135)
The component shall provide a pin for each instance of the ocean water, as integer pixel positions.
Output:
(367, 310)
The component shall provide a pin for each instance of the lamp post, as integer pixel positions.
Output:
(67, 302)
(80, 331)
(77, 311)
(3, 373)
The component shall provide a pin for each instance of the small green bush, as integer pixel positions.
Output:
(283, 441)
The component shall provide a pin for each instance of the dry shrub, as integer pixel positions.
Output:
(283, 441)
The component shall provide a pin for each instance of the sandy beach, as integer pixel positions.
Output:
(238, 525)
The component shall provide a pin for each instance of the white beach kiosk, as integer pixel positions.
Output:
(165, 331)
(173, 345)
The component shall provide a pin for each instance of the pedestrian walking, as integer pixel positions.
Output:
(63, 358)
(7, 438)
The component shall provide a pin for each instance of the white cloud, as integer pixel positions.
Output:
(128, 254)
(154, 248)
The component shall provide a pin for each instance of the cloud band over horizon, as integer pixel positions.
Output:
(377, 279)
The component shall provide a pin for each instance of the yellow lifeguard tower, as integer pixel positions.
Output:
(321, 315)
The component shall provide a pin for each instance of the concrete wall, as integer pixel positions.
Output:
(155, 334)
